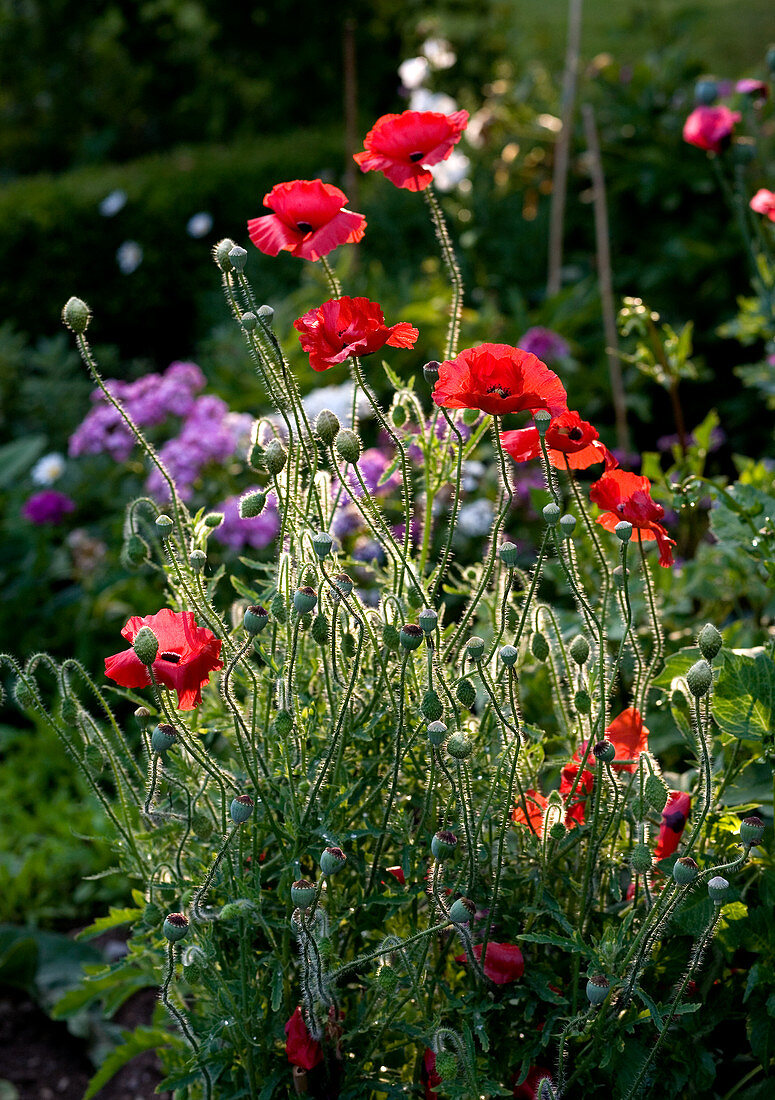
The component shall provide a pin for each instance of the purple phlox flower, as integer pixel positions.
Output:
(372, 465)
(414, 531)
(717, 439)
(524, 479)
(442, 432)
(367, 549)
(757, 89)
(347, 519)
(546, 345)
(47, 507)
(257, 532)
(209, 434)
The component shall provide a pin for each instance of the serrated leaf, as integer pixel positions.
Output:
(114, 919)
(135, 1042)
(555, 941)
(744, 697)
(656, 1015)
(242, 589)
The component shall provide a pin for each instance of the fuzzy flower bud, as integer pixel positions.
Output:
(146, 645)
(277, 608)
(304, 600)
(221, 254)
(303, 893)
(275, 457)
(709, 641)
(332, 860)
(582, 701)
(252, 504)
(539, 646)
(321, 544)
(213, 520)
(76, 315)
(641, 859)
(718, 889)
(459, 746)
(437, 731)
(751, 831)
(410, 636)
(390, 637)
(656, 792)
(466, 694)
(597, 989)
(256, 618)
(241, 808)
(348, 446)
(327, 425)
(475, 648)
(462, 911)
(623, 530)
(175, 926)
(551, 514)
(699, 678)
(431, 708)
(579, 649)
(446, 1065)
(283, 723)
(320, 632)
(685, 870)
(443, 845)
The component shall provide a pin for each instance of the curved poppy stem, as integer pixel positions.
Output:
(181, 1019)
(453, 270)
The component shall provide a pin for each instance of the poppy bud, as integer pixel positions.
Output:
(390, 637)
(252, 504)
(175, 926)
(542, 419)
(461, 911)
(459, 746)
(69, 711)
(640, 809)
(163, 738)
(414, 598)
(582, 701)
(152, 914)
(135, 549)
(443, 845)
(283, 723)
(656, 792)
(705, 92)
(718, 888)
(249, 321)
(197, 559)
(321, 544)
(303, 893)
(751, 831)
(437, 731)
(23, 695)
(256, 618)
(685, 870)
(623, 530)
(597, 989)
(320, 632)
(545, 1089)
(146, 645)
(446, 1065)
(431, 708)
(238, 256)
(410, 636)
(551, 514)
(579, 649)
(428, 620)
(641, 859)
(304, 600)
(430, 372)
(508, 654)
(605, 751)
(343, 584)
(202, 825)
(327, 425)
(709, 641)
(699, 678)
(567, 525)
(539, 646)
(277, 608)
(213, 520)
(557, 831)
(332, 860)
(387, 980)
(241, 808)
(221, 254)
(275, 457)
(76, 315)
(466, 694)
(348, 446)
(163, 525)
(475, 648)
(266, 314)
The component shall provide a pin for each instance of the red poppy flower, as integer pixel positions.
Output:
(187, 655)
(710, 127)
(627, 496)
(428, 1074)
(503, 962)
(528, 1090)
(497, 379)
(300, 1048)
(568, 439)
(343, 327)
(629, 737)
(536, 804)
(763, 202)
(397, 873)
(404, 146)
(674, 818)
(308, 220)
(574, 812)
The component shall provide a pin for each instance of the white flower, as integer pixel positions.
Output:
(413, 71)
(451, 172)
(129, 256)
(439, 53)
(112, 203)
(199, 225)
(48, 469)
(475, 518)
(423, 100)
(339, 399)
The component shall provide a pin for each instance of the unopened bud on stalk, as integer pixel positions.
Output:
(718, 889)
(751, 831)
(252, 504)
(241, 808)
(685, 870)
(197, 559)
(539, 646)
(320, 632)
(327, 425)
(303, 893)
(551, 514)
(163, 525)
(321, 544)
(221, 254)
(277, 607)
(283, 723)
(699, 678)
(508, 654)
(582, 701)
(709, 641)
(475, 648)
(567, 525)
(446, 1065)
(304, 600)
(175, 926)
(146, 645)
(136, 549)
(542, 419)
(430, 372)
(213, 520)
(509, 554)
(163, 738)
(428, 620)
(466, 694)
(641, 860)
(76, 315)
(69, 710)
(462, 911)
(443, 845)
(238, 257)
(623, 530)
(459, 746)
(597, 989)
(275, 457)
(604, 751)
(391, 637)
(248, 321)
(558, 831)
(656, 792)
(348, 446)
(343, 583)
(266, 314)
(387, 980)
(256, 618)
(332, 860)
(410, 636)
(579, 649)
(414, 598)
(431, 708)
(398, 415)
(545, 1089)
(437, 731)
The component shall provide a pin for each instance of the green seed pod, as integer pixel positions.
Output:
(509, 554)
(542, 418)
(751, 831)
(327, 425)
(551, 513)
(462, 911)
(539, 646)
(459, 746)
(143, 716)
(238, 257)
(94, 759)
(304, 600)
(623, 530)
(241, 808)
(76, 315)
(213, 520)
(710, 641)
(466, 694)
(508, 654)
(283, 723)
(428, 620)
(256, 618)
(443, 845)
(390, 637)
(252, 504)
(197, 559)
(699, 678)
(343, 583)
(202, 824)
(437, 732)
(348, 446)
(579, 650)
(266, 314)
(332, 860)
(221, 254)
(414, 598)
(656, 792)
(163, 738)
(175, 926)
(320, 632)
(641, 860)
(475, 648)
(164, 526)
(597, 989)
(410, 636)
(387, 980)
(249, 321)
(275, 457)
(446, 1065)
(718, 889)
(582, 701)
(321, 544)
(431, 708)
(136, 550)
(146, 645)
(604, 751)
(567, 525)
(430, 371)
(303, 893)
(639, 808)
(685, 870)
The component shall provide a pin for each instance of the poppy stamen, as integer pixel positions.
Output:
(415, 158)
(304, 227)
(575, 435)
(173, 658)
(500, 390)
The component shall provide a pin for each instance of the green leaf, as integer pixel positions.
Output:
(676, 666)
(114, 919)
(656, 1015)
(17, 457)
(555, 941)
(744, 697)
(135, 1042)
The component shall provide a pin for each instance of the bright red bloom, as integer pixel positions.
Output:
(710, 127)
(763, 202)
(674, 818)
(568, 439)
(627, 496)
(503, 962)
(308, 220)
(528, 1090)
(497, 379)
(344, 327)
(300, 1048)
(402, 147)
(429, 1076)
(397, 873)
(574, 814)
(187, 655)
(629, 737)
(536, 804)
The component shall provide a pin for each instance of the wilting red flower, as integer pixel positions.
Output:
(397, 873)
(763, 202)
(187, 655)
(430, 1077)
(627, 496)
(528, 1090)
(308, 220)
(568, 439)
(674, 818)
(710, 127)
(300, 1048)
(344, 327)
(404, 146)
(574, 813)
(503, 962)
(629, 737)
(536, 804)
(497, 379)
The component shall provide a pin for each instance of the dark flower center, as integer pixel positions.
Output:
(575, 435)
(500, 390)
(415, 157)
(304, 227)
(173, 658)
